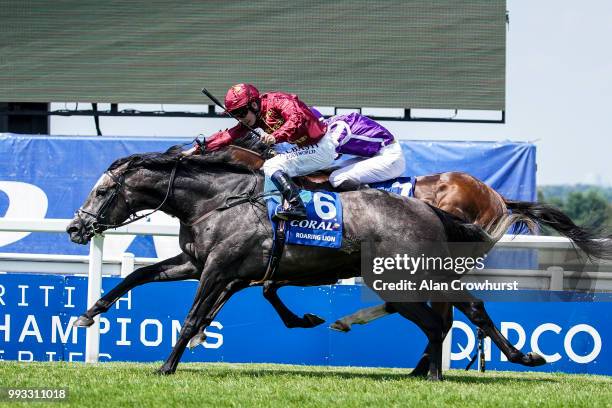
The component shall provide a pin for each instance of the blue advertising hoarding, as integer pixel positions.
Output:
(37, 311)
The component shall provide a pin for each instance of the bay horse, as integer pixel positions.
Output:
(225, 249)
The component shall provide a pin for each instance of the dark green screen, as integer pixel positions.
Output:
(400, 54)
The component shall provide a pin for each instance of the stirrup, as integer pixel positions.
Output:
(294, 212)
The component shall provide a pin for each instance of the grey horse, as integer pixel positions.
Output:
(226, 246)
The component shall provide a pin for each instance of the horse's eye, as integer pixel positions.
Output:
(100, 192)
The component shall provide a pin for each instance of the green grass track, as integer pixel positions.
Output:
(248, 385)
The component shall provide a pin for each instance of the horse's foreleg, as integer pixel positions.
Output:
(289, 318)
(477, 314)
(210, 297)
(200, 336)
(179, 267)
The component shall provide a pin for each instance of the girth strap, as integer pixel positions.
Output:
(276, 253)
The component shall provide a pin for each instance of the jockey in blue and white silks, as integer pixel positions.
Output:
(379, 155)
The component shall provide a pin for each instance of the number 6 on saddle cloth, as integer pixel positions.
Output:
(323, 226)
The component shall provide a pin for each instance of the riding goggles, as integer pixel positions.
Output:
(240, 112)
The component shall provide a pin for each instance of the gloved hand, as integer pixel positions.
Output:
(198, 148)
(267, 138)
(190, 152)
(200, 143)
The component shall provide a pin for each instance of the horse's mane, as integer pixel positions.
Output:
(220, 160)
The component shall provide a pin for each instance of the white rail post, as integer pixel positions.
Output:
(94, 291)
(446, 350)
(127, 264)
(556, 277)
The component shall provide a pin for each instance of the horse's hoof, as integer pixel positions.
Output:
(196, 340)
(422, 367)
(312, 320)
(165, 371)
(434, 377)
(534, 359)
(83, 321)
(419, 373)
(339, 325)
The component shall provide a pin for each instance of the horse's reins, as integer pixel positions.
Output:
(246, 197)
(232, 201)
(279, 236)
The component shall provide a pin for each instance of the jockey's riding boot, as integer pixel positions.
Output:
(350, 185)
(291, 193)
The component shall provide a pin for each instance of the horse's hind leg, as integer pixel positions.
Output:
(179, 267)
(477, 314)
(431, 323)
(362, 316)
(289, 318)
(445, 311)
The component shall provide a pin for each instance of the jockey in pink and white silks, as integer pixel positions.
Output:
(379, 156)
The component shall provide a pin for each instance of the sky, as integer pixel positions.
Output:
(558, 95)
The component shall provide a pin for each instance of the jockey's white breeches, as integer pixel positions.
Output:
(299, 161)
(388, 163)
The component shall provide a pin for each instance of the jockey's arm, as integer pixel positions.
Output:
(225, 137)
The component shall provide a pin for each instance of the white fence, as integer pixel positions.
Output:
(22, 262)
(95, 265)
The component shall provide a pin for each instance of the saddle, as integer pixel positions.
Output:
(246, 157)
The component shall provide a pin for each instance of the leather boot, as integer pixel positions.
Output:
(291, 193)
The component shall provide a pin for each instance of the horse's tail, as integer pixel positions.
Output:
(587, 239)
(457, 230)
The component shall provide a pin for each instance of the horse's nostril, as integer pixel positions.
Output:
(72, 229)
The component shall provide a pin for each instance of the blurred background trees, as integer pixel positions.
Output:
(584, 204)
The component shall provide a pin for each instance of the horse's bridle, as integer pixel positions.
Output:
(97, 226)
